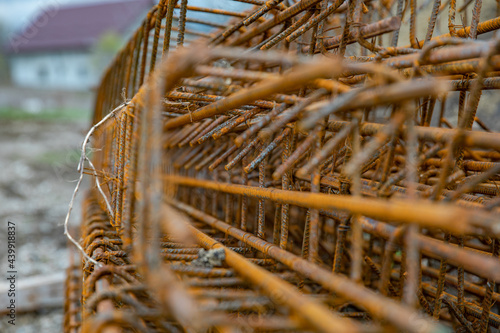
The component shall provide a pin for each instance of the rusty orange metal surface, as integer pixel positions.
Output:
(296, 167)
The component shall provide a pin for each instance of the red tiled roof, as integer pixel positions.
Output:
(78, 26)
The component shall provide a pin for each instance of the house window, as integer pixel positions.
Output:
(43, 73)
(61, 70)
(82, 72)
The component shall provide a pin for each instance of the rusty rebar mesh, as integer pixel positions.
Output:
(295, 170)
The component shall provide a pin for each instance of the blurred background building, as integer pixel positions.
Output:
(53, 52)
(68, 46)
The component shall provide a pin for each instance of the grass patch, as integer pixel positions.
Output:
(62, 115)
(63, 157)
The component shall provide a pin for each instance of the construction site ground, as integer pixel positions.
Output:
(38, 155)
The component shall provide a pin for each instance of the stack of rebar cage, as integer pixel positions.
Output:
(294, 167)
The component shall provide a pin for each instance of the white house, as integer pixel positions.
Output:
(55, 51)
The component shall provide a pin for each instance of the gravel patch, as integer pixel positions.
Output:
(37, 162)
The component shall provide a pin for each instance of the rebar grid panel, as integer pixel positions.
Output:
(295, 169)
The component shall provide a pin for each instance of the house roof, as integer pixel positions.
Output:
(77, 26)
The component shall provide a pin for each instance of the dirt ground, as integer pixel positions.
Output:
(38, 159)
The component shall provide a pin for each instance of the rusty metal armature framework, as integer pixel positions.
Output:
(295, 168)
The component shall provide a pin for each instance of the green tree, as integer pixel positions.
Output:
(105, 50)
